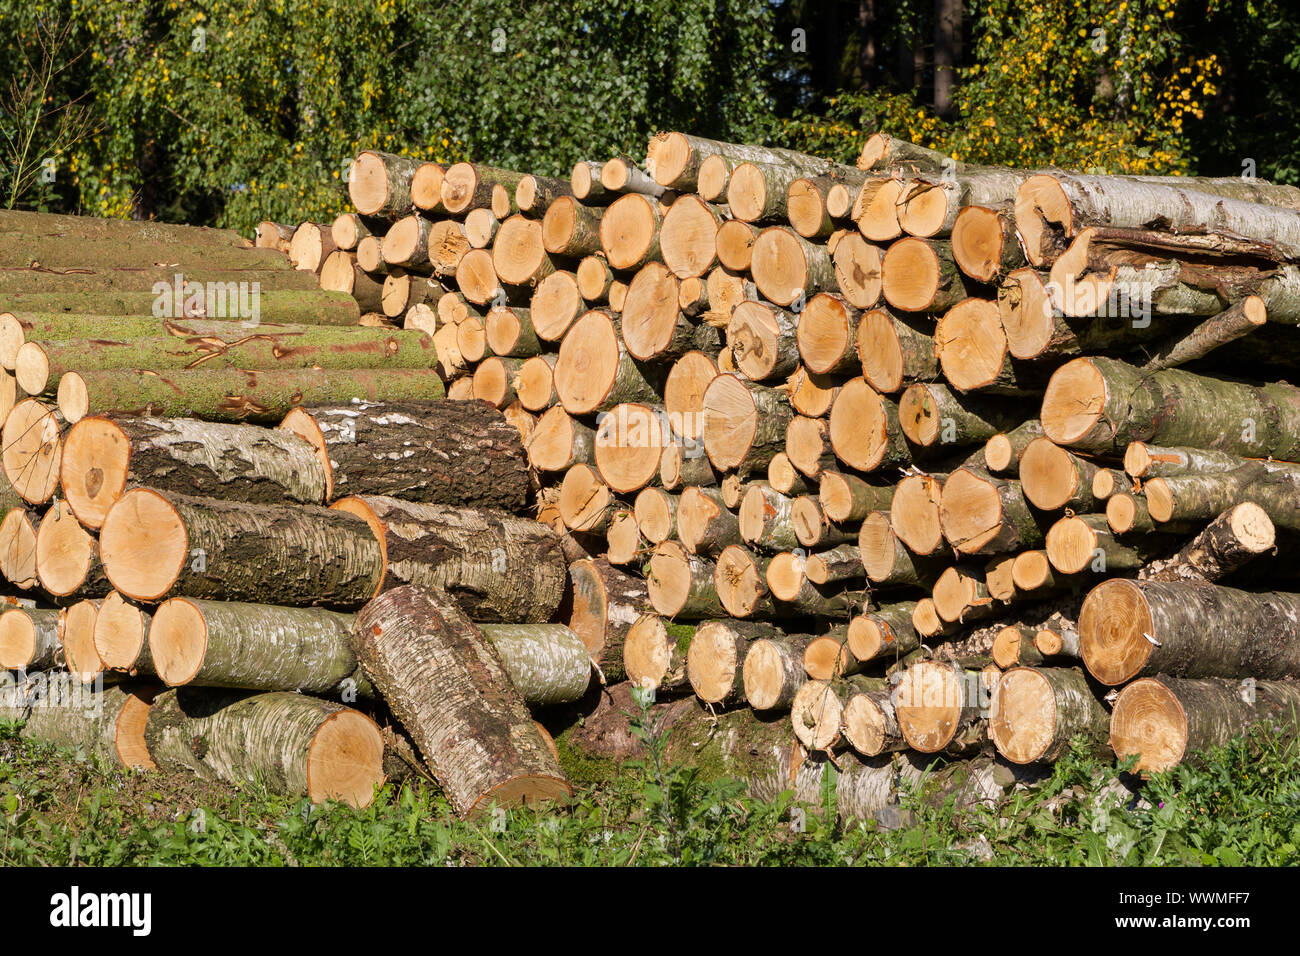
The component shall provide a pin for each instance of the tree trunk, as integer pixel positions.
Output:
(497, 567)
(157, 544)
(289, 743)
(452, 453)
(449, 688)
(1036, 712)
(1195, 630)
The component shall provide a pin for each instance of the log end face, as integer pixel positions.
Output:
(928, 703)
(859, 426)
(970, 511)
(1116, 630)
(17, 640)
(346, 760)
(1149, 721)
(143, 544)
(1073, 401)
(646, 653)
(1022, 715)
(910, 275)
(816, 715)
(118, 633)
(763, 675)
(178, 641)
(128, 734)
(1253, 528)
(524, 790)
(865, 727)
(711, 662)
(1047, 475)
(1041, 206)
(1071, 545)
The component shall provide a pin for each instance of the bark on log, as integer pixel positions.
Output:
(155, 544)
(605, 603)
(56, 708)
(29, 639)
(1164, 720)
(715, 659)
(450, 689)
(1195, 630)
(289, 743)
(451, 453)
(1036, 712)
(773, 671)
(497, 567)
(1229, 542)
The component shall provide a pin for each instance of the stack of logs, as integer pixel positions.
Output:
(252, 601)
(909, 457)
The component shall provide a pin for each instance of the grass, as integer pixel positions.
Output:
(1239, 804)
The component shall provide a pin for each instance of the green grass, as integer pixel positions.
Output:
(1238, 805)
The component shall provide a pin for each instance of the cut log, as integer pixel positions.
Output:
(585, 502)
(741, 583)
(606, 603)
(1036, 712)
(379, 184)
(914, 513)
(426, 187)
(919, 275)
(932, 414)
(757, 192)
(894, 350)
(18, 548)
(773, 671)
(452, 453)
(817, 712)
(1002, 452)
(653, 326)
(630, 439)
(586, 185)
(984, 242)
(883, 152)
(535, 383)
(1014, 646)
(467, 186)
(534, 195)
(938, 707)
(811, 394)
(234, 394)
(972, 350)
(688, 237)
(681, 467)
(448, 686)
(858, 266)
(67, 557)
(681, 584)
(1195, 630)
(762, 341)
(494, 378)
(1110, 481)
(704, 524)
(104, 455)
(622, 539)
(160, 543)
(1163, 721)
(1052, 206)
(29, 639)
(1200, 498)
(766, 519)
(560, 441)
(840, 563)
(1100, 405)
(1203, 338)
(77, 633)
(58, 709)
(509, 332)
(1229, 542)
(734, 244)
(961, 595)
(684, 390)
(715, 659)
(656, 514)
(829, 656)
(595, 372)
(33, 450)
(497, 567)
(805, 205)
(884, 632)
(622, 175)
(743, 424)
(814, 529)
(476, 278)
(1082, 542)
(1053, 479)
(869, 724)
(654, 655)
(788, 268)
(828, 334)
(555, 304)
(981, 514)
(864, 428)
(846, 498)
(674, 159)
(519, 256)
(571, 229)
(629, 231)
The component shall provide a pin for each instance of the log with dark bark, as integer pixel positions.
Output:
(451, 453)
(604, 605)
(448, 686)
(498, 567)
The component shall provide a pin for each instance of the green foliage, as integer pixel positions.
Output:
(1238, 804)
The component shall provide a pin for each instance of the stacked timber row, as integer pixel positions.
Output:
(907, 457)
(249, 593)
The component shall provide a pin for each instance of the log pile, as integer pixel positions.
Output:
(907, 457)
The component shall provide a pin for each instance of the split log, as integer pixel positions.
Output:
(766, 519)
(1036, 712)
(1164, 720)
(1131, 629)
(875, 208)
(884, 152)
(448, 686)
(498, 568)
